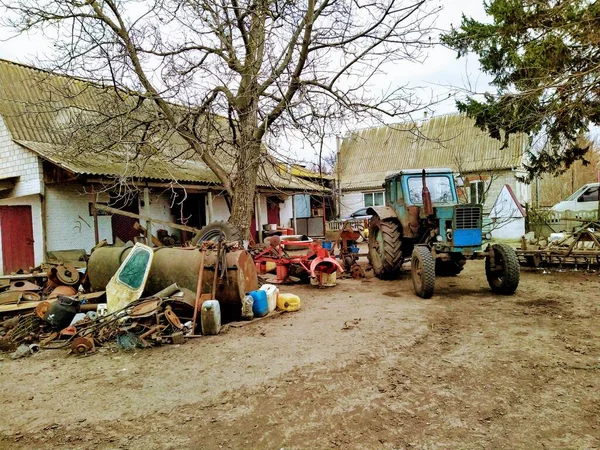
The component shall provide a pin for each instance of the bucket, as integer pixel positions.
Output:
(61, 312)
(288, 302)
(210, 317)
(271, 291)
(260, 307)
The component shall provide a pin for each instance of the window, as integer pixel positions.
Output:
(477, 190)
(389, 190)
(399, 193)
(374, 199)
(590, 195)
(439, 188)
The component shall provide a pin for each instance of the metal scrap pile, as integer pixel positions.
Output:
(73, 323)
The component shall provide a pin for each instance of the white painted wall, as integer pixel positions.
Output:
(16, 161)
(511, 229)
(351, 201)
(506, 218)
(220, 210)
(286, 213)
(159, 209)
(36, 218)
(69, 224)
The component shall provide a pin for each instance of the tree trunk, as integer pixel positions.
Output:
(244, 179)
(242, 203)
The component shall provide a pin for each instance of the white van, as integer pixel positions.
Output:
(583, 199)
(579, 207)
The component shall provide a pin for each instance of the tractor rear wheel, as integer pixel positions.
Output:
(385, 247)
(422, 268)
(503, 276)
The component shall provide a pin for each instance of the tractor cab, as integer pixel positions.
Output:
(426, 203)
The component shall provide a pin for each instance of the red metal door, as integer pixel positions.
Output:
(17, 238)
(273, 212)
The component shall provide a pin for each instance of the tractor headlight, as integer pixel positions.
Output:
(449, 234)
(439, 238)
(488, 236)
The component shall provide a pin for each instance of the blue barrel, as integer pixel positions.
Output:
(260, 307)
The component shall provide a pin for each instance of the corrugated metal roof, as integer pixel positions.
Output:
(40, 109)
(367, 156)
(156, 167)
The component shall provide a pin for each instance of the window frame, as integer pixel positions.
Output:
(479, 192)
(372, 194)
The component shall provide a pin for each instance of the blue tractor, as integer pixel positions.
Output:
(423, 221)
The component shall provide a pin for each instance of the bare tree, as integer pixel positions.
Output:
(222, 78)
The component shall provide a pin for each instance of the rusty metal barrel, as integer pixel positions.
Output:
(181, 266)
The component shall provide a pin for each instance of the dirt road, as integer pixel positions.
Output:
(363, 365)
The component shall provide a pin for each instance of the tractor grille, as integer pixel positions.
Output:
(467, 217)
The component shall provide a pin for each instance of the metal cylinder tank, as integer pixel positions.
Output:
(181, 266)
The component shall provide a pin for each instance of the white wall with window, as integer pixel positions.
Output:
(373, 199)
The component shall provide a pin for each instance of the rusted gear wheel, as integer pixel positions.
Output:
(67, 274)
(172, 318)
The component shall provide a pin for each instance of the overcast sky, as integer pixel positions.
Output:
(436, 75)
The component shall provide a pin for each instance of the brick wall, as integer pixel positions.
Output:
(17, 161)
(69, 224)
(351, 201)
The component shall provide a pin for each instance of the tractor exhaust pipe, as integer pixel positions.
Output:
(426, 196)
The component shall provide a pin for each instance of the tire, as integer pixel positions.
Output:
(504, 279)
(422, 269)
(213, 231)
(385, 247)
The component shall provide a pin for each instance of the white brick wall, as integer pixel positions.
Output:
(36, 219)
(351, 201)
(15, 161)
(69, 224)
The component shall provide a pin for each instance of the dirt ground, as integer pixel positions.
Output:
(364, 365)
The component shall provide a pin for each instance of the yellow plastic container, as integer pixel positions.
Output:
(288, 302)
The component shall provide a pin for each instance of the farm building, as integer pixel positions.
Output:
(47, 189)
(483, 168)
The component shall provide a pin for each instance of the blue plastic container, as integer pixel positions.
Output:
(327, 245)
(260, 307)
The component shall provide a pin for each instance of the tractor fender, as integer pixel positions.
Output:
(383, 212)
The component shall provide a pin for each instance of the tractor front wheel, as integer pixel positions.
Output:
(385, 247)
(504, 272)
(422, 268)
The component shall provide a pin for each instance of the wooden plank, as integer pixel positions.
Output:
(24, 276)
(20, 307)
(140, 217)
